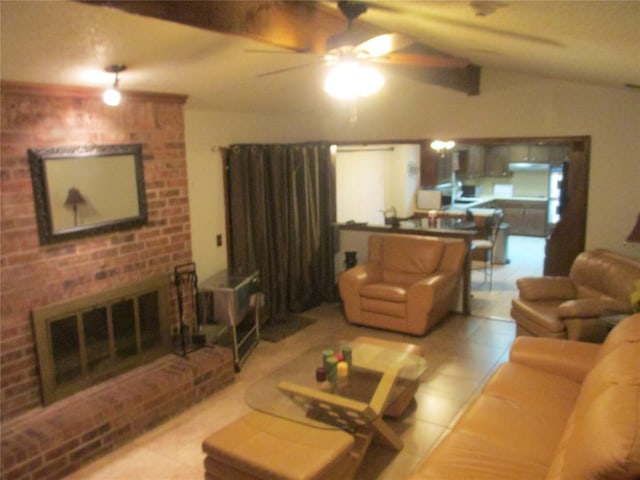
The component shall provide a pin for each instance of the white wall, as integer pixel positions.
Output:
(510, 105)
(205, 132)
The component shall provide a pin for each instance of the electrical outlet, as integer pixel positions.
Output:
(219, 240)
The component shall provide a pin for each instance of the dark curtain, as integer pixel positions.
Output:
(280, 214)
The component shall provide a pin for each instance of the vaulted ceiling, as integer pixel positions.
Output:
(266, 56)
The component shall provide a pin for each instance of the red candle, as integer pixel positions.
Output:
(321, 374)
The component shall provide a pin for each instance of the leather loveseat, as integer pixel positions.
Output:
(557, 410)
(408, 284)
(599, 283)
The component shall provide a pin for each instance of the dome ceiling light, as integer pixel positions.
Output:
(111, 95)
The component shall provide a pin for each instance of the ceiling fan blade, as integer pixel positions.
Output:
(287, 69)
(422, 60)
(384, 44)
(423, 11)
(277, 52)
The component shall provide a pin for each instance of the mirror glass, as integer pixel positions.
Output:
(81, 191)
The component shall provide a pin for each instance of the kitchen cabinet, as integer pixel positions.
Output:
(497, 161)
(539, 153)
(525, 217)
(434, 169)
(428, 168)
(477, 161)
(519, 153)
(558, 154)
(471, 163)
(445, 168)
(528, 153)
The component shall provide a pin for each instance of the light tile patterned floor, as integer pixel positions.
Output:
(526, 255)
(461, 353)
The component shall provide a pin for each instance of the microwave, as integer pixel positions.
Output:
(433, 199)
(471, 191)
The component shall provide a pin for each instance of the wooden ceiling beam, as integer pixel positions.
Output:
(297, 25)
(303, 26)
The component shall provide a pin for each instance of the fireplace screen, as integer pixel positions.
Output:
(85, 341)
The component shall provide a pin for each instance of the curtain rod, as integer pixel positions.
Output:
(365, 149)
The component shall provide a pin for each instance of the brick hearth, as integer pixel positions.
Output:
(56, 440)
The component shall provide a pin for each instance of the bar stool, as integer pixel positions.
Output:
(487, 245)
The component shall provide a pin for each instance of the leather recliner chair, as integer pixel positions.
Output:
(408, 284)
(599, 284)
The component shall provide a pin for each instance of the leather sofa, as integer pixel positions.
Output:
(558, 409)
(408, 284)
(599, 283)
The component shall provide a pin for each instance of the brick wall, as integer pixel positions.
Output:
(52, 442)
(32, 275)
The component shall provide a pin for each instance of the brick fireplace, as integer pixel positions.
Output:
(86, 341)
(33, 276)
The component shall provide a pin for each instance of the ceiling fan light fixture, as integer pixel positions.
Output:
(351, 79)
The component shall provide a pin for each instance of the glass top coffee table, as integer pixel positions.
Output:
(377, 376)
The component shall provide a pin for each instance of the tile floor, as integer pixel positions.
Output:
(461, 353)
(526, 256)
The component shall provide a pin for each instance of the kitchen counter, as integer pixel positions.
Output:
(465, 203)
(525, 215)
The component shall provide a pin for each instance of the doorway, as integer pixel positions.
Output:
(489, 163)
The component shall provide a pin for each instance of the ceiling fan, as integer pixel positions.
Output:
(354, 54)
(387, 48)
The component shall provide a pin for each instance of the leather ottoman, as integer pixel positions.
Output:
(259, 446)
